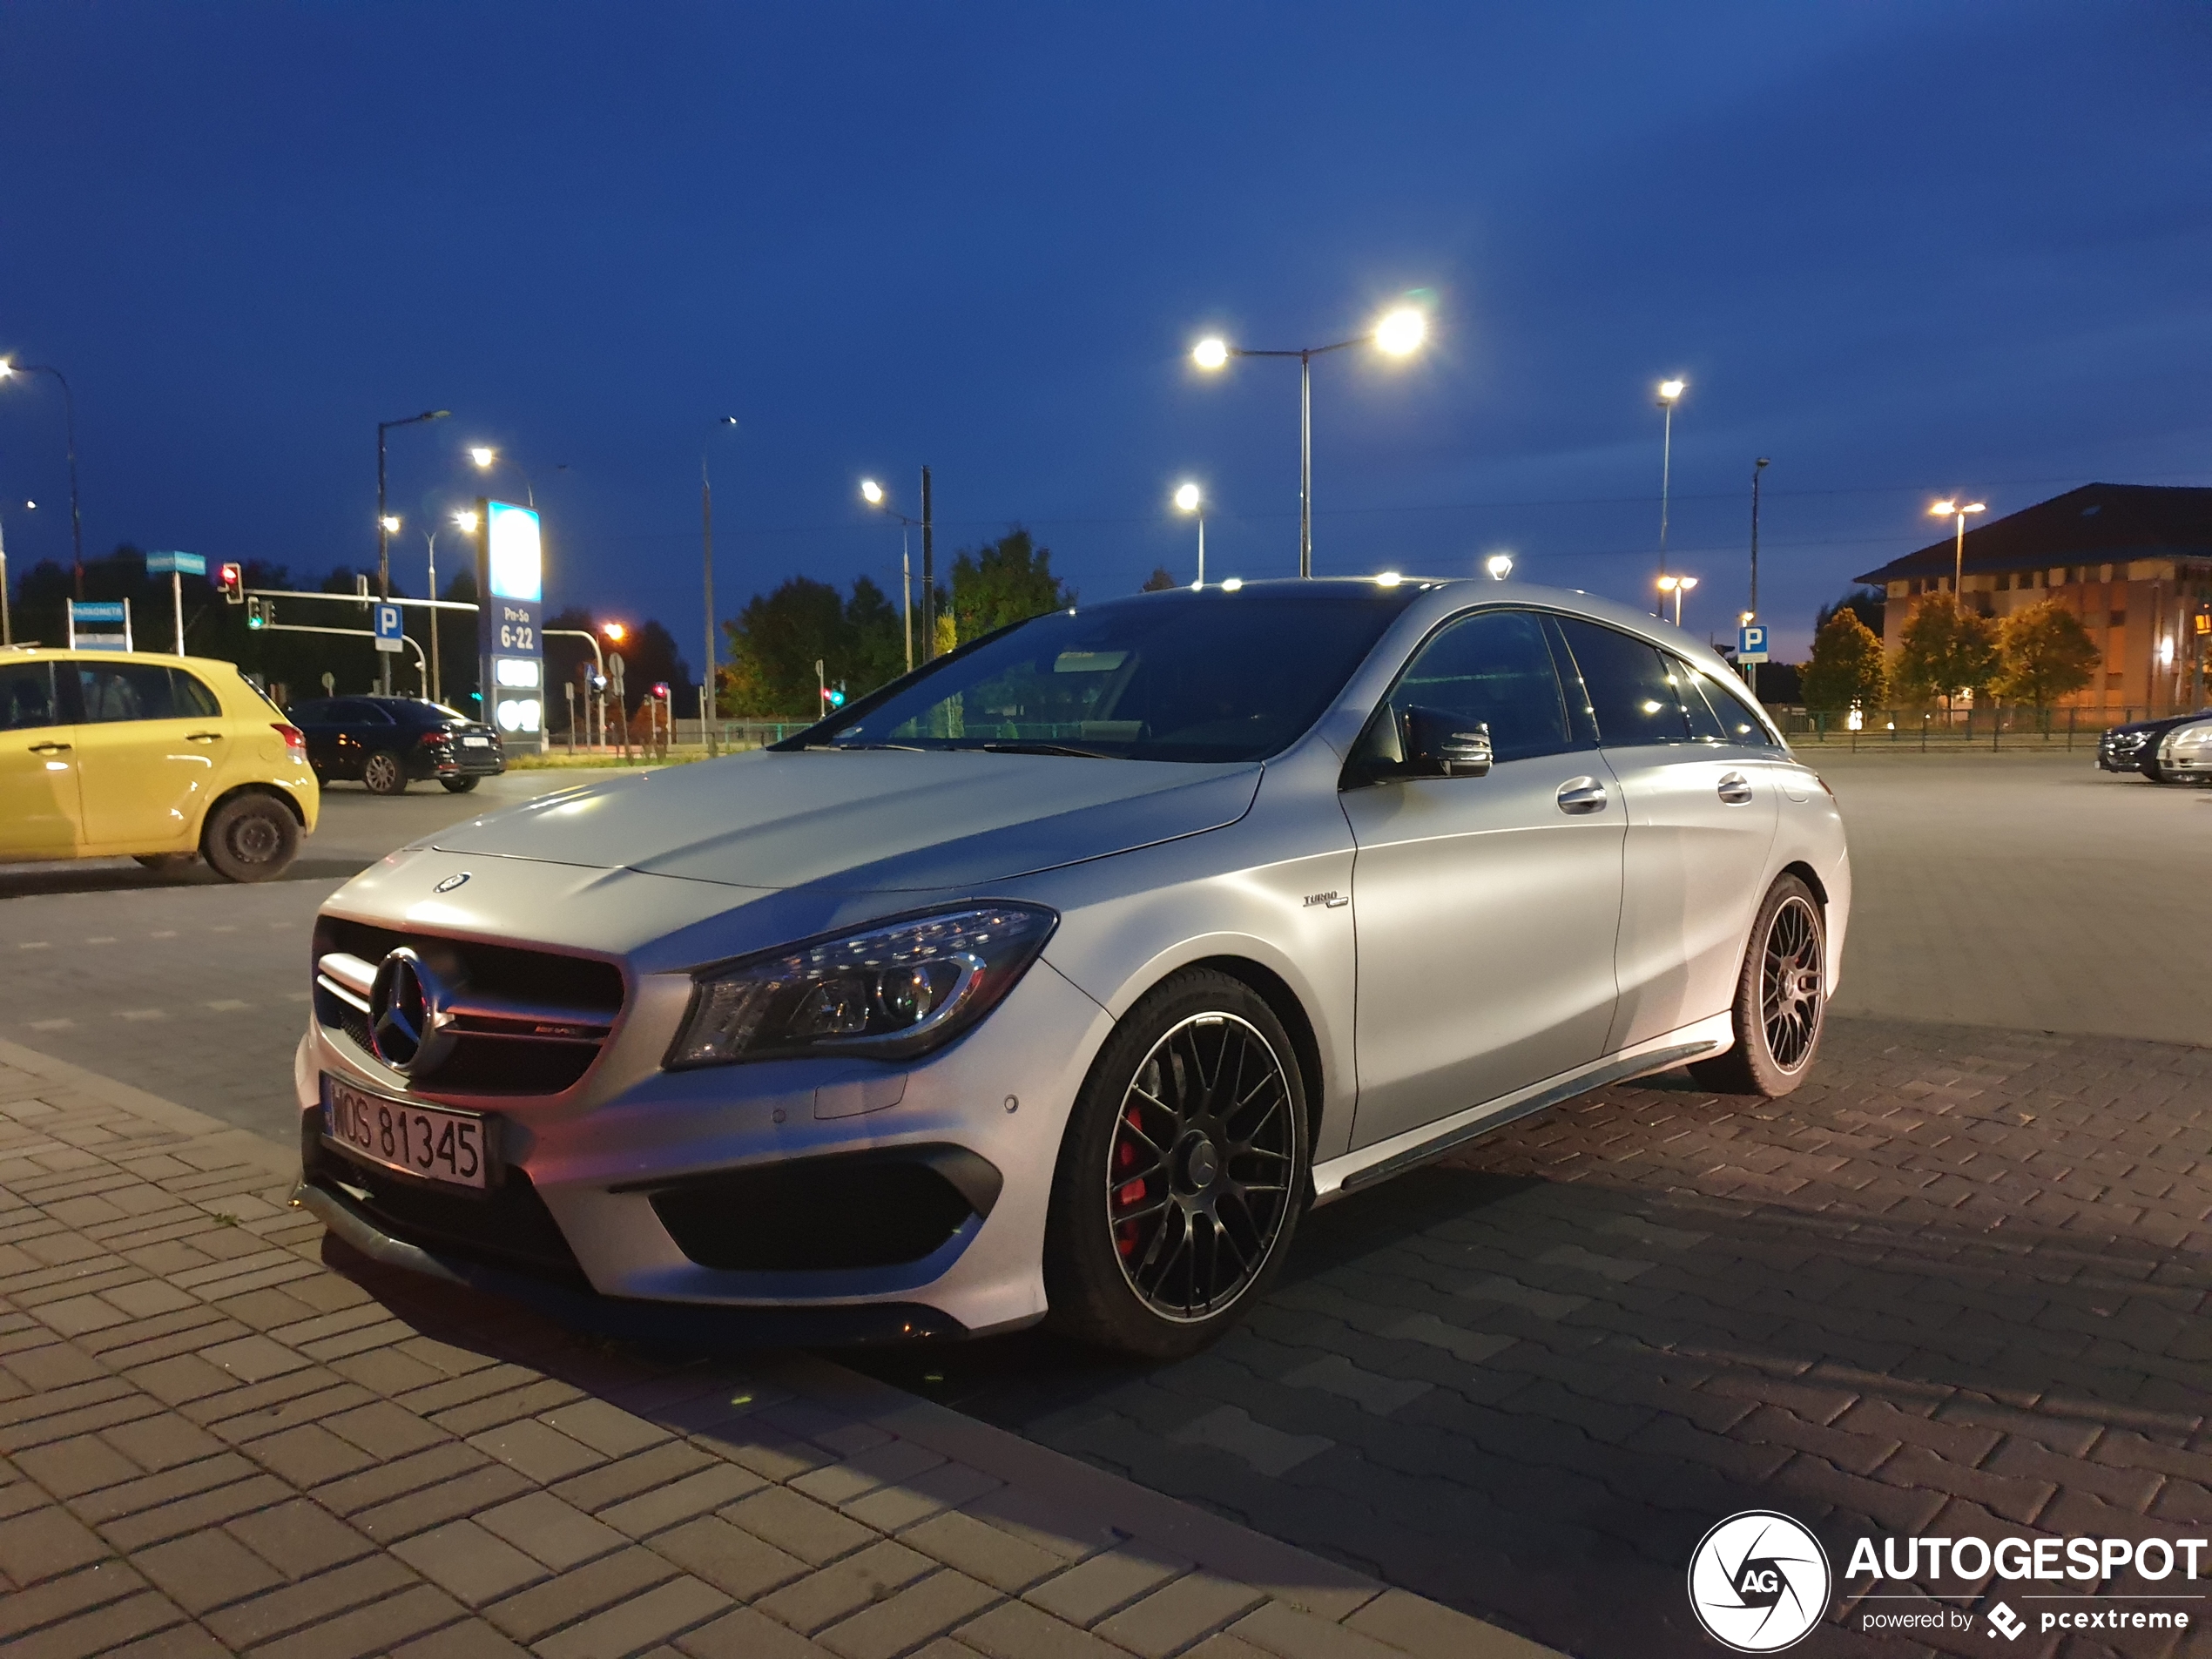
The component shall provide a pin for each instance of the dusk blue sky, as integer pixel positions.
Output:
(1899, 248)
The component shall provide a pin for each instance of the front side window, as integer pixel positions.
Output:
(1209, 675)
(1494, 667)
(27, 697)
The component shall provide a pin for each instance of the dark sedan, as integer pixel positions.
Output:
(2134, 747)
(389, 742)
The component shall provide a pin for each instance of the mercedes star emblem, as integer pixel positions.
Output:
(409, 1014)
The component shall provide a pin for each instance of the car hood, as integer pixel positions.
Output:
(871, 821)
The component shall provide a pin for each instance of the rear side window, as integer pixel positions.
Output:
(1631, 694)
(1733, 707)
(312, 713)
(191, 697)
(1705, 724)
(1496, 667)
(127, 691)
(27, 697)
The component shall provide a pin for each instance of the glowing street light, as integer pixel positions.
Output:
(1959, 509)
(1498, 565)
(1678, 585)
(1670, 394)
(1188, 500)
(466, 520)
(391, 523)
(615, 631)
(485, 458)
(386, 525)
(1397, 333)
(872, 493)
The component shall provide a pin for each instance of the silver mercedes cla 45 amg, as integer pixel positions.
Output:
(1055, 979)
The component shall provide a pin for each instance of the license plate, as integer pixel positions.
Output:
(475, 742)
(426, 1141)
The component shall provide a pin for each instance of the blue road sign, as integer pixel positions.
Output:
(177, 563)
(1750, 642)
(387, 628)
(97, 609)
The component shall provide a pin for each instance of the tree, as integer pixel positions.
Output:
(777, 639)
(2046, 654)
(1002, 582)
(1159, 580)
(1867, 603)
(1847, 665)
(1944, 650)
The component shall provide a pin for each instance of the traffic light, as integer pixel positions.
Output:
(230, 578)
(257, 612)
(834, 696)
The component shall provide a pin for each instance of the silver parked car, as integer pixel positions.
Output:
(1056, 979)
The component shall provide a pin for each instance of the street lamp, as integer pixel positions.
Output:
(1188, 500)
(485, 458)
(720, 423)
(1678, 585)
(1959, 509)
(1397, 333)
(873, 494)
(69, 428)
(1670, 394)
(385, 526)
(1498, 565)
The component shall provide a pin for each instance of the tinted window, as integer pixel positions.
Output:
(127, 691)
(310, 713)
(1705, 724)
(1732, 706)
(27, 696)
(1629, 691)
(1495, 667)
(354, 711)
(1212, 676)
(191, 697)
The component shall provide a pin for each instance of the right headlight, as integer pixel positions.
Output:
(890, 991)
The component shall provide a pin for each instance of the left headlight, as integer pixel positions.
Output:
(890, 991)
(2190, 744)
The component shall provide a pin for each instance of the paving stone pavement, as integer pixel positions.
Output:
(1958, 1284)
(221, 1435)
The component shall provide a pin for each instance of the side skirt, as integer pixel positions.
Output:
(1373, 1165)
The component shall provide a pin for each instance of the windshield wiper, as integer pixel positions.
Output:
(848, 748)
(1019, 748)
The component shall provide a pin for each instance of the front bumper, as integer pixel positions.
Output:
(783, 1188)
(2113, 757)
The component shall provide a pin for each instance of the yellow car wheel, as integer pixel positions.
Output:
(250, 837)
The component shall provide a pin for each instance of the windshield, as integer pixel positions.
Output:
(1205, 676)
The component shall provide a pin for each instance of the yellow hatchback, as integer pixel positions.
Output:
(164, 759)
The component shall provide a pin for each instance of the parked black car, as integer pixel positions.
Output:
(2134, 747)
(388, 742)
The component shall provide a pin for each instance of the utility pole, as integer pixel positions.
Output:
(706, 569)
(1758, 469)
(928, 576)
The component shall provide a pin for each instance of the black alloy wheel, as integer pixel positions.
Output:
(384, 773)
(1781, 998)
(1184, 1171)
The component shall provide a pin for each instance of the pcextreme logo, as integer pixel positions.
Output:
(1758, 1581)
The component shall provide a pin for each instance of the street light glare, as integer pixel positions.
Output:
(1388, 579)
(6, 369)
(1402, 331)
(483, 455)
(1943, 509)
(1669, 390)
(1500, 565)
(392, 523)
(1186, 497)
(1975, 507)
(871, 492)
(615, 631)
(1210, 353)
(1688, 583)
(466, 520)
(1232, 585)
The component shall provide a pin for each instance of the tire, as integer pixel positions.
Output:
(1781, 998)
(250, 837)
(165, 863)
(1155, 1241)
(459, 786)
(384, 773)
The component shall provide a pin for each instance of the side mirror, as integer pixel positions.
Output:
(1440, 745)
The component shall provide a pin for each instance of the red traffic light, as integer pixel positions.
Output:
(230, 578)
(660, 689)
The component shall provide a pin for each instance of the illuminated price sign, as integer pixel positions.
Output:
(510, 574)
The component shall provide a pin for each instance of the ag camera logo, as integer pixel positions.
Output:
(1759, 1581)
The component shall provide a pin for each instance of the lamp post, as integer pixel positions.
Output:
(871, 493)
(385, 524)
(1678, 585)
(1758, 471)
(485, 458)
(1397, 335)
(1959, 509)
(1670, 394)
(69, 431)
(1188, 500)
(720, 423)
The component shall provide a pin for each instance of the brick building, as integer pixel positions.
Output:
(2133, 561)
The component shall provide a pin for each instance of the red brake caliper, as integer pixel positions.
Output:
(1130, 1193)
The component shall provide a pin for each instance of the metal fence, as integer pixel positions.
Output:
(1996, 729)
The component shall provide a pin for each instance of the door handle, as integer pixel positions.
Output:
(1736, 789)
(49, 748)
(203, 736)
(1578, 796)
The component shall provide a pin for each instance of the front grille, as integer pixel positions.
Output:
(845, 1211)
(508, 1224)
(533, 1023)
